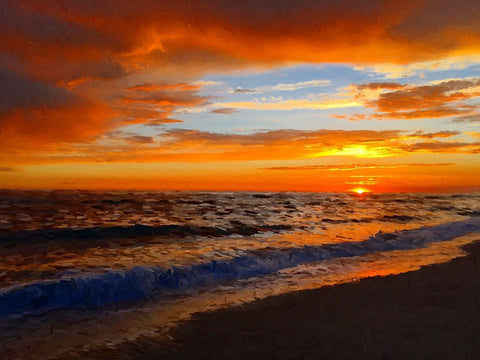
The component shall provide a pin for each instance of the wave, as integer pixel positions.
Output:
(140, 282)
(97, 236)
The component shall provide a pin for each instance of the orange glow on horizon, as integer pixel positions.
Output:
(244, 176)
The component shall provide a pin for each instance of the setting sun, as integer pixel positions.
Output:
(360, 190)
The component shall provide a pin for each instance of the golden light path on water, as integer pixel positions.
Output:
(87, 330)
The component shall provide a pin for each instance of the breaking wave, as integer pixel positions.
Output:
(140, 282)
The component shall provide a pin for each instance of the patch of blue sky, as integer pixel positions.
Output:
(337, 75)
(332, 81)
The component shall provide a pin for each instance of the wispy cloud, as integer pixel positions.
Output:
(353, 167)
(292, 104)
(474, 118)
(443, 147)
(225, 111)
(396, 71)
(438, 134)
(286, 87)
(380, 85)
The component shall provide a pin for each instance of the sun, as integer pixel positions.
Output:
(360, 190)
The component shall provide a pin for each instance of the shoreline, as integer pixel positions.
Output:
(431, 313)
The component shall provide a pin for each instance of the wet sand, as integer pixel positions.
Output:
(433, 313)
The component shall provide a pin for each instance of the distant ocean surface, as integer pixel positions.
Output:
(145, 260)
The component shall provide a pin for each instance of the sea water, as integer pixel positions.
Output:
(94, 268)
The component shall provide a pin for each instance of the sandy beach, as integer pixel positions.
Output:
(427, 314)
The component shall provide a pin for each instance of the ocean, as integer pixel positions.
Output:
(79, 269)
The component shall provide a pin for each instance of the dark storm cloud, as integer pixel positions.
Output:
(20, 92)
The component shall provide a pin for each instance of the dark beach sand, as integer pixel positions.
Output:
(433, 313)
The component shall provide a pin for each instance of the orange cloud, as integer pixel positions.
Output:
(154, 104)
(351, 167)
(431, 113)
(438, 134)
(42, 127)
(380, 85)
(156, 87)
(443, 99)
(425, 97)
(443, 147)
(90, 67)
(117, 39)
(194, 146)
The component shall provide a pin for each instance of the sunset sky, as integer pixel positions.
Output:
(240, 95)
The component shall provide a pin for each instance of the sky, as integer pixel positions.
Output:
(247, 95)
